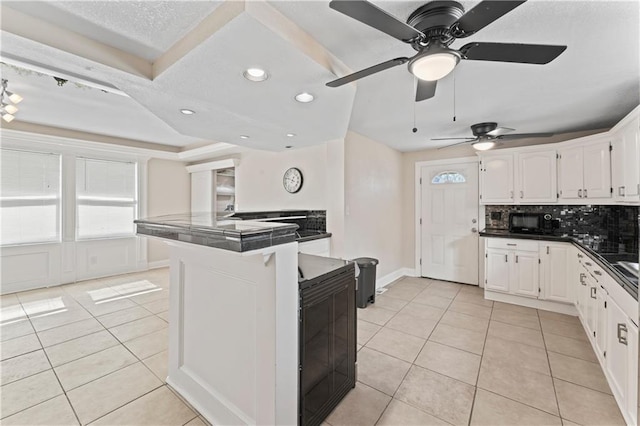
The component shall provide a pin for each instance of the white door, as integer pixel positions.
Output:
(597, 171)
(537, 177)
(601, 323)
(570, 169)
(618, 348)
(449, 215)
(497, 179)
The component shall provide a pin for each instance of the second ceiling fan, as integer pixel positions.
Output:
(430, 30)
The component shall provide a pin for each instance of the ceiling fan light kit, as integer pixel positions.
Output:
(9, 110)
(434, 66)
(483, 145)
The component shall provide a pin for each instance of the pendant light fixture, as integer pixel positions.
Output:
(8, 107)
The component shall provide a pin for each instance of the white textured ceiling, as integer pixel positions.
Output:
(143, 28)
(593, 84)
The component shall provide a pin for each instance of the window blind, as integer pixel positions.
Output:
(29, 197)
(106, 198)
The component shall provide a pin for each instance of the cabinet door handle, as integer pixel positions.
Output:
(510, 194)
(547, 249)
(582, 277)
(506, 258)
(579, 193)
(622, 328)
(521, 194)
(588, 263)
(621, 191)
(593, 292)
(597, 272)
(585, 194)
(516, 258)
(511, 244)
(580, 256)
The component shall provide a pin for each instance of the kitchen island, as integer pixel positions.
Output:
(233, 316)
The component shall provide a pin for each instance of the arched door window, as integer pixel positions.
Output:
(448, 177)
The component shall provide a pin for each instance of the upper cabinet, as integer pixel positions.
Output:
(585, 170)
(625, 160)
(537, 177)
(526, 177)
(496, 179)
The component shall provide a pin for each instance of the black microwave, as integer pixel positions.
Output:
(532, 223)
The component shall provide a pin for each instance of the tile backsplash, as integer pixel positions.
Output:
(612, 229)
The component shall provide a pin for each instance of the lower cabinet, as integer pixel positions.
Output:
(525, 273)
(560, 272)
(622, 360)
(557, 270)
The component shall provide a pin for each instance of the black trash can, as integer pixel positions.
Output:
(366, 281)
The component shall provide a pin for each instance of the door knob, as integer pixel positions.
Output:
(473, 221)
(474, 230)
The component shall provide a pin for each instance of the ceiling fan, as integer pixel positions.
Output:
(430, 30)
(486, 135)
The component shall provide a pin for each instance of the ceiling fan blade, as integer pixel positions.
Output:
(499, 131)
(425, 89)
(459, 143)
(512, 52)
(372, 15)
(526, 135)
(482, 15)
(453, 139)
(367, 71)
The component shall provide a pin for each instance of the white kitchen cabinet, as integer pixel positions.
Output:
(496, 179)
(600, 337)
(537, 176)
(597, 170)
(590, 306)
(557, 271)
(570, 165)
(497, 270)
(625, 162)
(524, 273)
(512, 267)
(585, 170)
(622, 360)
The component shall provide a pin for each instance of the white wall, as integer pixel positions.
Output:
(374, 202)
(259, 179)
(168, 192)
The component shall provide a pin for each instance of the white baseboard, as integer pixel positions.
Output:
(398, 273)
(158, 264)
(546, 305)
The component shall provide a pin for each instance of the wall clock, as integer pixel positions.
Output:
(292, 180)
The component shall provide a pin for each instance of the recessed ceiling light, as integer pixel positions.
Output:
(187, 111)
(244, 137)
(255, 74)
(304, 97)
(289, 146)
(290, 135)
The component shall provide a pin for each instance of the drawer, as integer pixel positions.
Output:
(512, 244)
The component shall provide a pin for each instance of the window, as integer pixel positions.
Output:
(448, 177)
(106, 198)
(29, 197)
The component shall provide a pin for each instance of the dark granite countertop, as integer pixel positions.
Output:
(304, 236)
(607, 261)
(207, 230)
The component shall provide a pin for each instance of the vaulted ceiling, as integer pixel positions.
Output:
(153, 58)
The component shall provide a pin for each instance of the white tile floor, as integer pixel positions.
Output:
(430, 352)
(94, 352)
